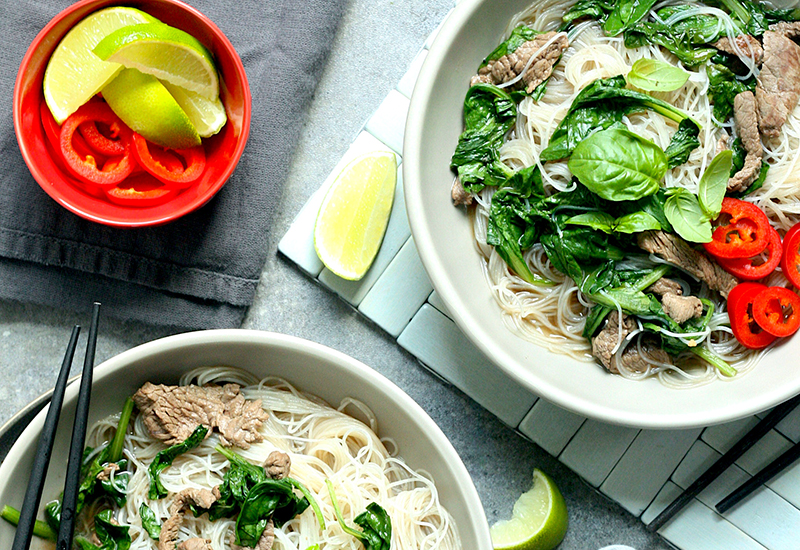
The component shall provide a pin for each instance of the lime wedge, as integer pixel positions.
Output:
(354, 213)
(74, 74)
(538, 522)
(207, 115)
(145, 105)
(164, 52)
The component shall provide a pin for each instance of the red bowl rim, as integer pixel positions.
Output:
(185, 209)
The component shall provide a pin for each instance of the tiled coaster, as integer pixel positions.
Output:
(642, 470)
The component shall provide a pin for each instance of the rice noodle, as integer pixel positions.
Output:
(553, 316)
(323, 443)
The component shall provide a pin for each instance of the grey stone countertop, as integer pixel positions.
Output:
(375, 44)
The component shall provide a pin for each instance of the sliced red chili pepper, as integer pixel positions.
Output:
(757, 267)
(140, 191)
(740, 311)
(89, 166)
(177, 168)
(777, 310)
(743, 231)
(791, 256)
(107, 142)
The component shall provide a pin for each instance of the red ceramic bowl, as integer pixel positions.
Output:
(222, 150)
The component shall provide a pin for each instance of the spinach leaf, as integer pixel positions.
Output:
(626, 13)
(164, 459)
(517, 38)
(683, 142)
(600, 106)
(757, 16)
(149, 521)
(698, 28)
(618, 165)
(656, 76)
(723, 86)
(672, 344)
(597, 315)
(270, 498)
(489, 113)
(686, 216)
(376, 526)
(651, 32)
(596, 10)
(40, 528)
(111, 536)
(714, 183)
(84, 544)
(569, 249)
(236, 484)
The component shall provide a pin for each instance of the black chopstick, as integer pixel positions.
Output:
(69, 501)
(739, 448)
(33, 494)
(765, 474)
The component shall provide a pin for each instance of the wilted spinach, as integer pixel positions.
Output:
(149, 521)
(652, 32)
(110, 535)
(268, 499)
(596, 10)
(489, 113)
(626, 13)
(376, 524)
(163, 460)
(723, 87)
(683, 142)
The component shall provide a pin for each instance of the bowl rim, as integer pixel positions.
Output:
(172, 215)
(187, 340)
(455, 303)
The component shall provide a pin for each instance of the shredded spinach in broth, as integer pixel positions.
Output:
(589, 231)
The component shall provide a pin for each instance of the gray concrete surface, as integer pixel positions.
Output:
(380, 37)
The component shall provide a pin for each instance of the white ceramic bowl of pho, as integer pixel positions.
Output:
(445, 238)
(322, 442)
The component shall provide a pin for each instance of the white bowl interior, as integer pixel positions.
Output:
(443, 237)
(310, 367)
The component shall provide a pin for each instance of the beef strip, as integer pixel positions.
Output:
(511, 65)
(681, 308)
(789, 29)
(746, 43)
(605, 343)
(459, 194)
(778, 88)
(108, 469)
(632, 360)
(665, 286)
(746, 119)
(277, 465)
(180, 505)
(171, 413)
(195, 543)
(679, 253)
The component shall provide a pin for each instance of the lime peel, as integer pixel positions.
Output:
(539, 520)
(354, 214)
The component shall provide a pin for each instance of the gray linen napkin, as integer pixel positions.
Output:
(200, 271)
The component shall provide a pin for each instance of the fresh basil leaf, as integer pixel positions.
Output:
(656, 76)
(687, 217)
(654, 205)
(600, 221)
(636, 223)
(619, 165)
(625, 14)
(163, 460)
(714, 183)
(111, 535)
(682, 143)
(149, 521)
(376, 526)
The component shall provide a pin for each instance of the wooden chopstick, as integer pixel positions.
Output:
(33, 494)
(739, 448)
(765, 474)
(72, 483)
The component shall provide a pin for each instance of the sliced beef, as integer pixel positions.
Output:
(745, 117)
(459, 194)
(168, 540)
(171, 413)
(632, 360)
(108, 469)
(195, 543)
(605, 343)
(778, 88)
(665, 286)
(277, 465)
(789, 29)
(679, 253)
(510, 66)
(746, 43)
(681, 308)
